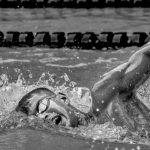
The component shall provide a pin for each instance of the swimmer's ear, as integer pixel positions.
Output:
(29, 102)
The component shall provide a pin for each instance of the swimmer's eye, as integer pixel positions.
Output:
(63, 97)
(43, 105)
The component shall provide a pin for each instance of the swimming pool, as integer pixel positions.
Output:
(64, 67)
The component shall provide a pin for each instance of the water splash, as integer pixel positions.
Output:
(12, 92)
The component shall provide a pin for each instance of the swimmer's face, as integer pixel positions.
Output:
(57, 111)
(45, 104)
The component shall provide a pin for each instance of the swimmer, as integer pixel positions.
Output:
(113, 94)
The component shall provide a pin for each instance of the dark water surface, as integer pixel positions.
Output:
(82, 67)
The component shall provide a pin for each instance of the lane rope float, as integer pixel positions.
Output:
(73, 3)
(74, 40)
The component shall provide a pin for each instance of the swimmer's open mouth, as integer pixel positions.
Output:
(61, 120)
(57, 119)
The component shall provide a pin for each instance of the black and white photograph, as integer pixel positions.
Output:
(74, 74)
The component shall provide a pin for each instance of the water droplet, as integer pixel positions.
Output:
(69, 112)
(131, 142)
(116, 110)
(113, 88)
(138, 147)
(97, 109)
(113, 119)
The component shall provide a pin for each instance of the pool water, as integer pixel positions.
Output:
(22, 68)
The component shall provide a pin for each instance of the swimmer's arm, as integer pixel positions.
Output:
(121, 80)
(105, 91)
(102, 97)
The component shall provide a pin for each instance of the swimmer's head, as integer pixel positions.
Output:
(45, 104)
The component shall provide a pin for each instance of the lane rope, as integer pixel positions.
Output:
(74, 40)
